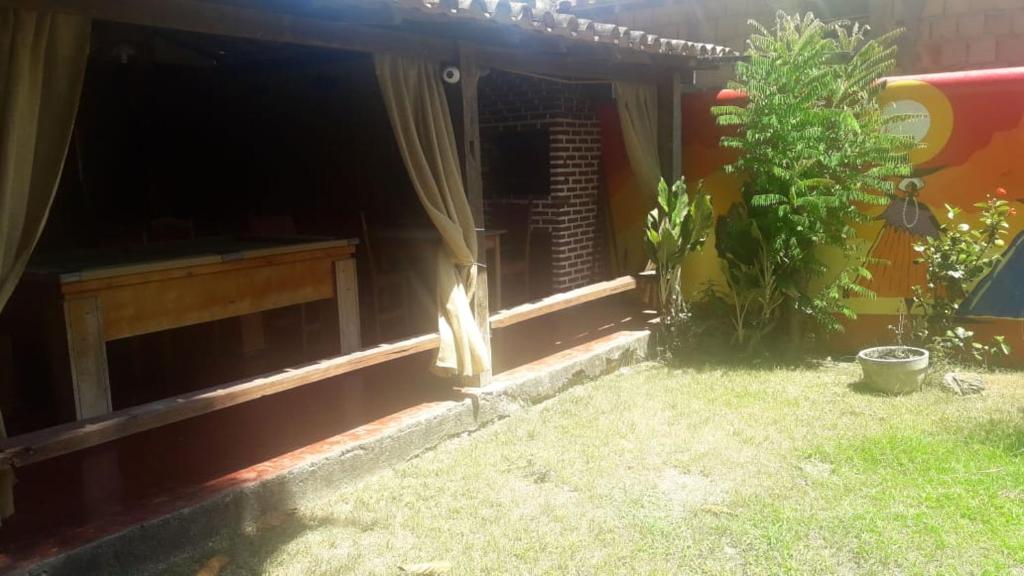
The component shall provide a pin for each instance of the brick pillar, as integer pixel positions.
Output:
(509, 102)
(572, 208)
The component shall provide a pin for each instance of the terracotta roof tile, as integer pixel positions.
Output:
(552, 18)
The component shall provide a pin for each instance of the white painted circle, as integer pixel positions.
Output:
(917, 128)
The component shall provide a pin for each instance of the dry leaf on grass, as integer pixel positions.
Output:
(214, 565)
(427, 568)
(718, 510)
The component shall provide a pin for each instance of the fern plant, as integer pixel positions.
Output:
(815, 149)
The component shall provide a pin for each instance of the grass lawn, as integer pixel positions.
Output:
(694, 471)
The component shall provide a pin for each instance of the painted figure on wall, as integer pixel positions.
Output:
(970, 127)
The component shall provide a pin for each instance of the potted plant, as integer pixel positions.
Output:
(895, 369)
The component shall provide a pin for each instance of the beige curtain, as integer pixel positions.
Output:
(638, 114)
(42, 64)
(421, 121)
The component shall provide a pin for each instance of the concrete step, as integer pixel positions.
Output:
(190, 524)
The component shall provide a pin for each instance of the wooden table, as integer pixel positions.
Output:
(492, 245)
(107, 296)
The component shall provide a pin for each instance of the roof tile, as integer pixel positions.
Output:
(552, 18)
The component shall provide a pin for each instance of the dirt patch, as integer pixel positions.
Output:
(816, 469)
(690, 491)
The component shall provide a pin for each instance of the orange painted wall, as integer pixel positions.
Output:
(972, 144)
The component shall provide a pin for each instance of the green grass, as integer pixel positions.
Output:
(709, 471)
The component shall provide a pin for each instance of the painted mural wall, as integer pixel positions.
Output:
(972, 143)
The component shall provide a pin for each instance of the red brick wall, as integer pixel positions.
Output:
(569, 211)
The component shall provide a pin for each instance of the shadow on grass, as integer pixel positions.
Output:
(713, 359)
(253, 549)
(861, 386)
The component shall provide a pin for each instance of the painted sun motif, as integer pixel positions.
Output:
(934, 123)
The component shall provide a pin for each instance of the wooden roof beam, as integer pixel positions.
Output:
(259, 24)
(529, 54)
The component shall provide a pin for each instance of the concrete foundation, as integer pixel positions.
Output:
(315, 470)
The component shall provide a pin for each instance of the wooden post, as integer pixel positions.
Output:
(254, 336)
(346, 292)
(90, 378)
(83, 320)
(670, 127)
(475, 189)
(494, 243)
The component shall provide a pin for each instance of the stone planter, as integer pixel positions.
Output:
(894, 369)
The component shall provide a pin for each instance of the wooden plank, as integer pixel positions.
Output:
(677, 126)
(90, 379)
(254, 334)
(346, 293)
(109, 277)
(608, 67)
(494, 244)
(562, 301)
(670, 136)
(53, 442)
(513, 50)
(242, 22)
(474, 185)
(122, 270)
(184, 301)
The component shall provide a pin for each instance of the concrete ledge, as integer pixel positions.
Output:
(316, 470)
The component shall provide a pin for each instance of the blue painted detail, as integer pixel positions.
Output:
(1001, 293)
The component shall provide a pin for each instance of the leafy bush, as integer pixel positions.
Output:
(675, 228)
(753, 298)
(956, 259)
(815, 149)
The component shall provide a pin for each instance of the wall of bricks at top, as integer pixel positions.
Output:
(941, 35)
(569, 212)
(962, 34)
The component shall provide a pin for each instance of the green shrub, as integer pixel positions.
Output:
(815, 149)
(956, 259)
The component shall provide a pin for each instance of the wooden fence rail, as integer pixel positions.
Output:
(59, 440)
(562, 301)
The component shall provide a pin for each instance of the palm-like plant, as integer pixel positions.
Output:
(675, 228)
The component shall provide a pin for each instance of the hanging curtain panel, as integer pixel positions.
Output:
(637, 106)
(42, 65)
(415, 100)
(638, 114)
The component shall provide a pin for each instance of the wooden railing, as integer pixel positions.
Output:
(59, 440)
(562, 301)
